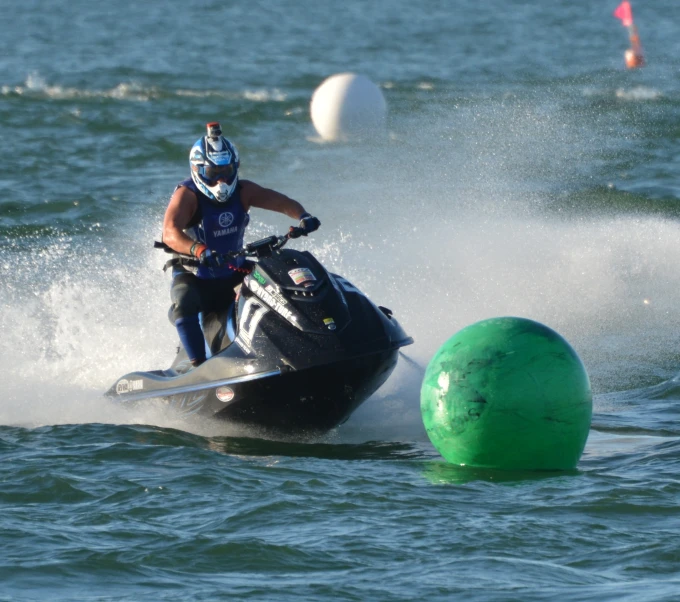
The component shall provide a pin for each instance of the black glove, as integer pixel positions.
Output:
(308, 224)
(210, 259)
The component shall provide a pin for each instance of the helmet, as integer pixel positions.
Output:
(214, 164)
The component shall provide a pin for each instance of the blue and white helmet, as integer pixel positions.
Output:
(214, 164)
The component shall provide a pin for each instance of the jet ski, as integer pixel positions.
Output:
(298, 351)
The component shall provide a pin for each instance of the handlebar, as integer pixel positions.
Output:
(266, 246)
(259, 248)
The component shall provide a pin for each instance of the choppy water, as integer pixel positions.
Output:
(526, 173)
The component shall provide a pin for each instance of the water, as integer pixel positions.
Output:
(525, 173)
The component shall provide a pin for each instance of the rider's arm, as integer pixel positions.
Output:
(181, 209)
(254, 195)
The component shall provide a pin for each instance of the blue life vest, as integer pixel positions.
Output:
(218, 226)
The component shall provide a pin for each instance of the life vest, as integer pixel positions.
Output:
(219, 226)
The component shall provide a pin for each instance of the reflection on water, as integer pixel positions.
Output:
(443, 473)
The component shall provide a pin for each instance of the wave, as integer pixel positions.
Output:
(36, 86)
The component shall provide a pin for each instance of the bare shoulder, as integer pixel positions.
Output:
(182, 206)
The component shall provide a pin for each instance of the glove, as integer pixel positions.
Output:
(206, 257)
(211, 259)
(308, 224)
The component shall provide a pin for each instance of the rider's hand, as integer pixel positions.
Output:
(206, 257)
(211, 259)
(308, 224)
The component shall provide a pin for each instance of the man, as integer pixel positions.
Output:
(207, 217)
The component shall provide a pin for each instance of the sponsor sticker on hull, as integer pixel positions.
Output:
(301, 275)
(224, 394)
(127, 386)
(272, 298)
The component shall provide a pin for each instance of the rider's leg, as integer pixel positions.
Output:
(186, 300)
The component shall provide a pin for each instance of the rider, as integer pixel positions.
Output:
(207, 217)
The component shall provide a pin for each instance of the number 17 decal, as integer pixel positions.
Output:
(250, 318)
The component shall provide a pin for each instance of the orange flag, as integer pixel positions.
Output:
(625, 13)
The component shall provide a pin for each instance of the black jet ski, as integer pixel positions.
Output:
(297, 352)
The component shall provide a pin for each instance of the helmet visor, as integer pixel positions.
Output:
(214, 173)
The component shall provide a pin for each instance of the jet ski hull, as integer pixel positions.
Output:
(313, 400)
(291, 402)
(299, 352)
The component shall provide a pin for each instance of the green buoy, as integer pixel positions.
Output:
(507, 393)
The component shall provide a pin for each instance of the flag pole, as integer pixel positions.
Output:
(633, 56)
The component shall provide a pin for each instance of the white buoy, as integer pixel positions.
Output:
(347, 107)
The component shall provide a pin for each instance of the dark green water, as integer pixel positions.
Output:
(525, 173)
